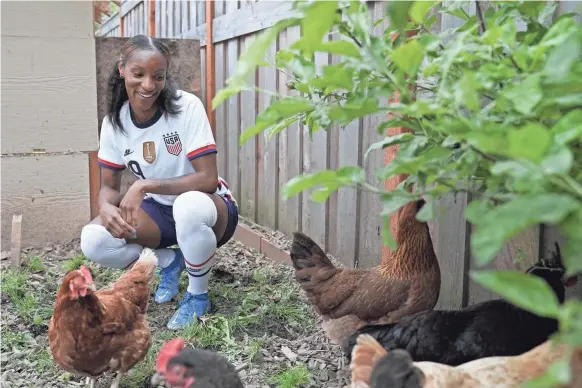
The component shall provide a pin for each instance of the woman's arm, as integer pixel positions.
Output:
(204, 179)
(109, 200)
(110, 187)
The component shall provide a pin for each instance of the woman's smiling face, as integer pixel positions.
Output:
(145, 78)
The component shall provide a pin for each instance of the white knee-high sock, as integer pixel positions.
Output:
(195, 214)
(100, 246)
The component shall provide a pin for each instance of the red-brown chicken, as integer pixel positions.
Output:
(404, 283)
(92, 332)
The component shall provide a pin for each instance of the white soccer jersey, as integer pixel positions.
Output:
(162, 147)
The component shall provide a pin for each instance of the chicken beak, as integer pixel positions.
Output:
(156, 379)
(93, 287)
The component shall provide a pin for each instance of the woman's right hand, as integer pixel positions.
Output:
(114, 222)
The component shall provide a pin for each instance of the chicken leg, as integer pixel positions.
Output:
(117, 380)
(90, 381)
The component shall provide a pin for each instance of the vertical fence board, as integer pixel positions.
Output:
(233, 124)
(370, 240)
(203, 76)
(164, 19)
(221, 132)
(158, 17)
(201, 12)
(289, 152)
(315, 159)
(268, 181)
(248, 151)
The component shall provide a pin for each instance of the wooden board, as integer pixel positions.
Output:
(51, 192)
(248, 151)
(233, 124)
(289, 152)
(370, 238)
(221, 131)
(47, 20)
(314, 214)
(44, 107)
(268, 171)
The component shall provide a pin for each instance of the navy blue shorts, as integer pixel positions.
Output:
(164, 218)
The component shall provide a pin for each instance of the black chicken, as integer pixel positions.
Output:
(183, 367)
(491, 328)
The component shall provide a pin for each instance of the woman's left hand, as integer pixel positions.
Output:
(131, 203)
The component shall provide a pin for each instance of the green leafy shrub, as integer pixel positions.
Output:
(494, 108)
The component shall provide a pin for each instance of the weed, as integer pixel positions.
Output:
(34, 264)
(74, 263)
(296, 376)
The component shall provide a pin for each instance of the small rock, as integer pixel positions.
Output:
(289, 353)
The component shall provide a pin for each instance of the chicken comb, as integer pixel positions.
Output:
(167, 351)
(86, 273)
(365, 354)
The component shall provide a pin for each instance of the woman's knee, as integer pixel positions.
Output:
(193, 211)
(99, 246)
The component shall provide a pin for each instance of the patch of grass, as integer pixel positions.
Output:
(34, 264)
(74, 263)
(294, 377)
(15, 283)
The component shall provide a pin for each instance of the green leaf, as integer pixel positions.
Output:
(562, 57)
(466, 91)
(278, 110)
(500, 224)
(419, 10)
(427, 212)
(558, 161)
(339, 47)
(408, 56)
(569, 127)
(530, 142)
(526, 95)
(226, 93)
(344, 114)
(398, 13)
(275, 129)
(398, 122)
(327, 178)
(388, 141)
(387, 238)
(527, 291)
(570, 227)
(394, 200)
(318, 19)
(335, 77)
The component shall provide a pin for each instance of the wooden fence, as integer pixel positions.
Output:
(348, 224)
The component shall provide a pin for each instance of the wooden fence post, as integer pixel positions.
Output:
(210, 71)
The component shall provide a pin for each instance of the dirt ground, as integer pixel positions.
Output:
(260, 320)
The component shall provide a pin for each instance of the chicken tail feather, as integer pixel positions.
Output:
(373, 365)
(305, 253)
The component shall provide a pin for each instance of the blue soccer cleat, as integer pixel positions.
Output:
(170, 278)
(191, 307)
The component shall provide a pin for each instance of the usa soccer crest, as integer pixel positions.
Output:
(173, 143)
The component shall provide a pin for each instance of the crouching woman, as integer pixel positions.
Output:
(162, 135)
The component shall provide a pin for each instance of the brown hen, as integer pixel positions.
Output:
(374, 367)
(92, 332)
(408, 281)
